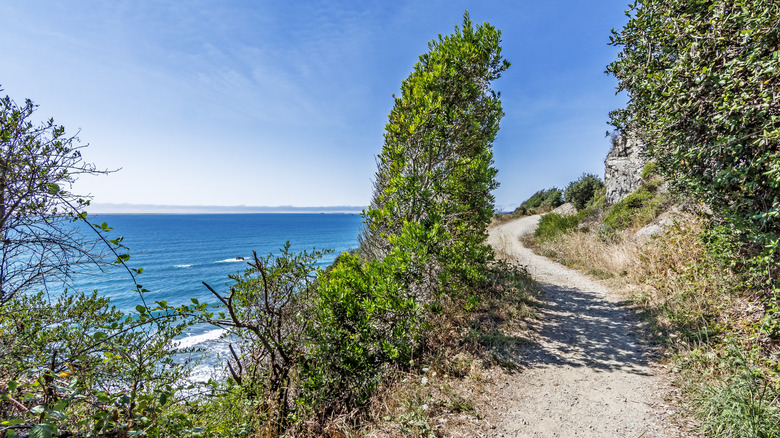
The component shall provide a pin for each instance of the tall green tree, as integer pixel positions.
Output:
(435, 172)
(425, 227)
(703, 82)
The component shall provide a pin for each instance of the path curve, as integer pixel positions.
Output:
(586, 373)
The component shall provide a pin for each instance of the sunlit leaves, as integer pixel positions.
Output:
(704, 95)
(435, 168)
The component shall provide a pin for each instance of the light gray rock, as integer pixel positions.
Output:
(566, 209)
(660, 224)
(623, 168)
(648, 231)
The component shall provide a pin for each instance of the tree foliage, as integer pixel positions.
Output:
(435, 168)
(71, 363)
(581, 191)
(703, 81)
(38, 165)
(364, 318)
(74, 364)
(425, 227)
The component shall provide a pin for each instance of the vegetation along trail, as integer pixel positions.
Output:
(586, 371)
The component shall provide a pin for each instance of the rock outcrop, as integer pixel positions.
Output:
(623, 168)
(566, 209)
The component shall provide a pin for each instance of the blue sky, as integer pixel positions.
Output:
(217, 102)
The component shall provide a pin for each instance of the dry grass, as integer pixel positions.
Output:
(700, 310)
(659, 274)
(427, 404)
(586, 251)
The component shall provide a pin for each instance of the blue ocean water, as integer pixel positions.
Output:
(179, 251)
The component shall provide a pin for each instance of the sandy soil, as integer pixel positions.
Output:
(586, 373)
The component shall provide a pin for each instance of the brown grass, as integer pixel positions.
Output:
(663, 275)
(585, 251)
(699, 307)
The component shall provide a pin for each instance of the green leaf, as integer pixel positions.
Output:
(121, 258)
(56, 414)
(141, 309)
(42, 430)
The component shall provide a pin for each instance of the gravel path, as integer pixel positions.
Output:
(586, 373)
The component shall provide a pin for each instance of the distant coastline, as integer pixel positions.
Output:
(110, 208)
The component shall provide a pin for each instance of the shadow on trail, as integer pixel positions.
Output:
(581, 329)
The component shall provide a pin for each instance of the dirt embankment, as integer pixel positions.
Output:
(586, 371)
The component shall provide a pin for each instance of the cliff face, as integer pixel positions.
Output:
(623, 168)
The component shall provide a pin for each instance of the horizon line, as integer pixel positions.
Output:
(110, 207)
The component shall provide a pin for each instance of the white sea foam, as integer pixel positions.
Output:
(182, 266)
(203, 372)
(191, 341)
(233, 260)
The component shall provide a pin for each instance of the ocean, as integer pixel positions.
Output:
(179, 251)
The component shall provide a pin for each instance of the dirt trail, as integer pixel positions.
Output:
(586, 373)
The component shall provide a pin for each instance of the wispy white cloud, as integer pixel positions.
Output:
(299, 92)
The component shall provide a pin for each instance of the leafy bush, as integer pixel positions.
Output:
(75, 363)
(426, 227)
(266, 316)
(541, 202)
(363, 318)
(702, 87)
(70, 362)
(650, 170)
(581, 191)
(702, 84)
(599, 200)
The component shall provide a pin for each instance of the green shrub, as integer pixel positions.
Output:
(85, 366)
(265, 317)
(581, 191)
(701, 82)
(363, 319)
(650, 170)
(447, 117)
(541, 202)
(553, 225)
(599, 200)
